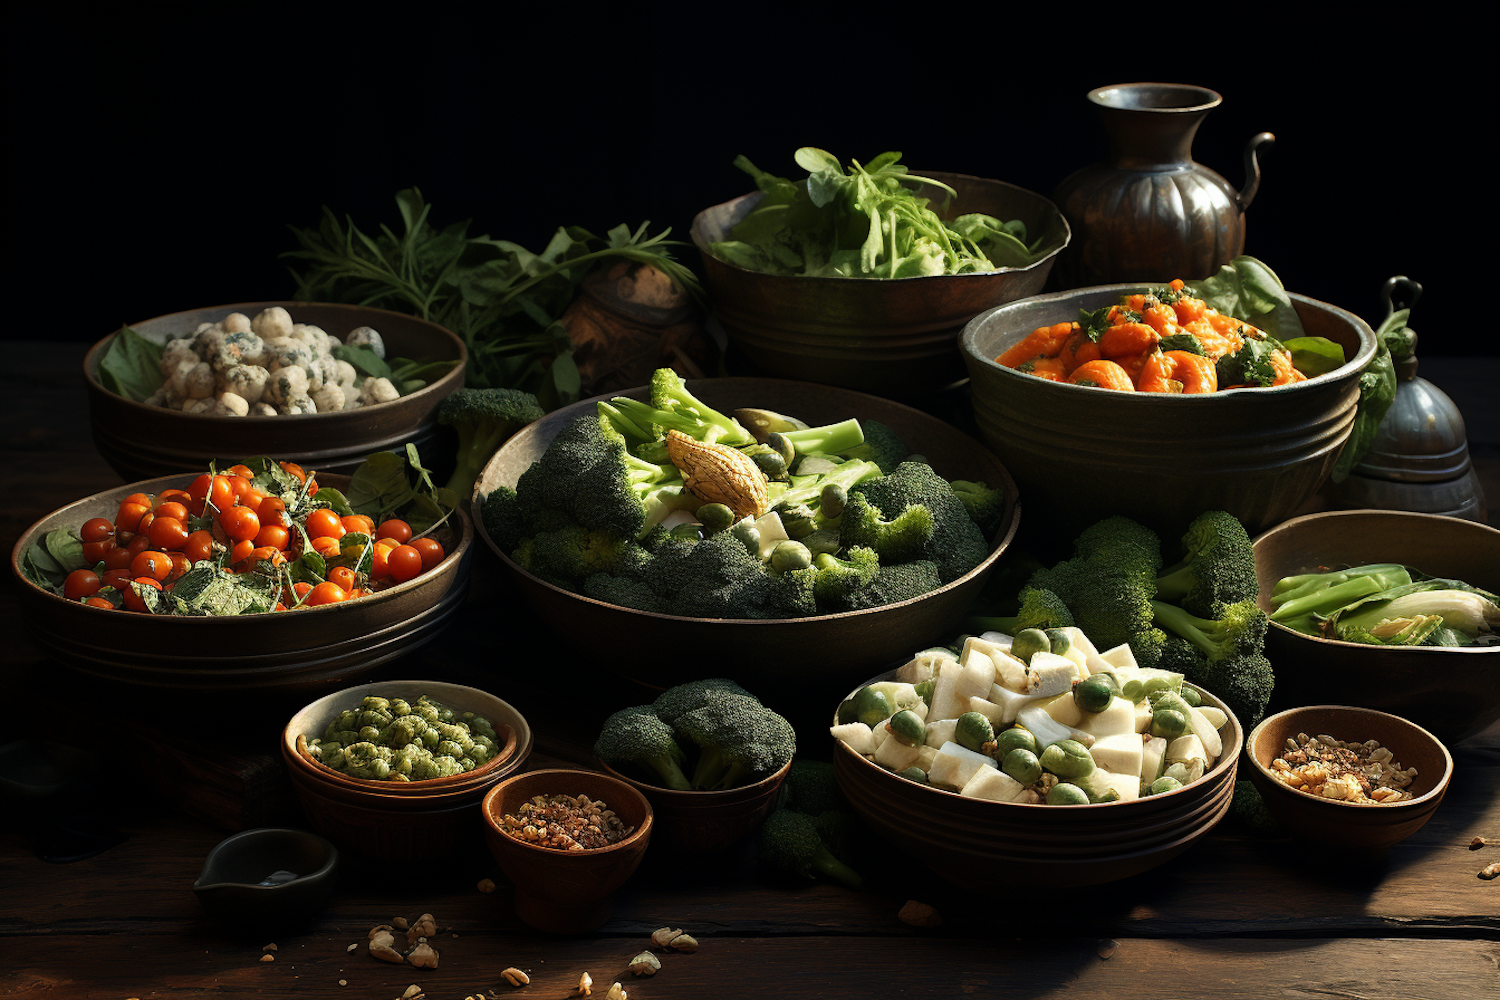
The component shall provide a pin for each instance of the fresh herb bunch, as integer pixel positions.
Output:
(864, 223)
(503, 300)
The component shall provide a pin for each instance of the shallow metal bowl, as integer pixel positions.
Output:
(141, 441)
(290, 650)
(664, 650)
(893, 337)
(996, 846)
(1454, 692)
(1080, 454)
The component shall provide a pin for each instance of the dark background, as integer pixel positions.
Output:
(167, 179)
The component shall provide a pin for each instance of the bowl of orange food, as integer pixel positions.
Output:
(1137, 422)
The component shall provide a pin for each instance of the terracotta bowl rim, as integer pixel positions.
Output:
(1348, 369)
(695, 232)
(1426, 798)
(1401, 515)
(642, 830)
(702, 796)
(453, 377)
(1224, 763)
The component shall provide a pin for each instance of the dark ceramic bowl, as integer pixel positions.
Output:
(142, 441)
(294, 650)
(237, 882)
(1346, 826)
(567, 892)
(754, 650)
(1080, 454)
(889, 337)
(1454, 692)
(704, 822)
(998, 846)
(324, 783)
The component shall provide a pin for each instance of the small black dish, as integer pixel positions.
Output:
(268, 876)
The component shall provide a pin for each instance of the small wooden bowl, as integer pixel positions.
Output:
(567, 892)
(1346, 825)
(703, 822)
(230, 885)
(140, 441)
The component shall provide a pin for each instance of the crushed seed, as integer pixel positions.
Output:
(565, 823)
(1359, 773)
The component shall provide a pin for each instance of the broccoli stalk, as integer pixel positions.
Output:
(484, 419)
(789, 843)
(1040, 608)
(1219, 567)
(636, 736)
(1239, 628)
(673, 407)
(830, 439)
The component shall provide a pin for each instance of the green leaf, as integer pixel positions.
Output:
(815, 160)
(66, 548)
(365, 361)
(379, 485)
(335, 500)
(1248, 290)
(1315, 355)
(131, 366)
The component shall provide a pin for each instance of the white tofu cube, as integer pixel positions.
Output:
(1064, 708)
(856, 735)
(990, 783)
(954, 765)
(1117, 717)
(893, 755)
(1119, 753)
(940, 732)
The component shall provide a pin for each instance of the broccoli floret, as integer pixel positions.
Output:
(677, 701)
(673, 407)
(1219, 567)
(1243, 682)
(503, 519)
(623, 591)
(1182, 657)
(569, 555)
(717, 577)
(811, 787)
(986, 507)
(739, 739)
(838, 579)
(903, 537)
(882, 446)
(1040, 608)
(1236, 628)
(483, 418)
(1108, 586)
(836, 829)
(897, 583)
(636, 736)
(1249, 808)
(789, 843)
(956, 544)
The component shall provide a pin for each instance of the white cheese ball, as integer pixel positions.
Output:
(206, 342)
(228, 404)
(204, 405)
(366, 337)
(285, 384)
(198, 382)
(272, 323)
(377, 390)
(174, 354)
(329, 398)
(246, 381)
(235, 323)
(285, 352)
(297, 404)
(262, 410)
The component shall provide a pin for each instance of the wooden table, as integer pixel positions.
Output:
(1236, 916)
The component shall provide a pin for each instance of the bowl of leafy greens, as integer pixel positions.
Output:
(862, 278)
(388, 387)
(810, 554)
(1390, 610)
(1082, 450)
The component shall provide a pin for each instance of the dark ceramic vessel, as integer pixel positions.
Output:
(895, 337)
(240, 881)
(705, 822)
(1345, 826)
(1454, 692)
(142, 441)
(755, 651)
(296, 650)
(1081, 454)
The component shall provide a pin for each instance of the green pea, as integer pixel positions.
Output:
(1168, 724)
(1164, 784)
(1191, 696)
(715, 517)
(832, 499)
(974, 731)
(1134, 690)
(906, 728)
(1060, 641)
(1028, 642)
(789, 556)
(1092, 694)
(914, 774)
(1068, 759)
(1014, 738)
(1064, 794)
(871, 706)
(1022, 765)
(1155, 684)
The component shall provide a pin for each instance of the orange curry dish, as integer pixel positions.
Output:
(1164, 340)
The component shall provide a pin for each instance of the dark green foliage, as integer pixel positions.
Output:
(893, 584)
(1250, 365)
(569, 555)
(1219, 567)
(986, 506)
(956, 544)
(790, 844)
(623, 591)
(882, 446)
(812, 788)
(1244, 683)
(503, 519)
(739, 740)
(484, 419)
(637, 736)
(1181, 342)
(1108, 586)
(1040, 608)
(1249, 808)
(677, 701)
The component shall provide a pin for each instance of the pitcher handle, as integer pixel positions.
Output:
(1252, 168)
(1401, 286)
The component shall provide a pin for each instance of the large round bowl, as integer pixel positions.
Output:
(1453, 692)
(1080, 454)
(141, 441)
(291, 650)
(398, 822)
(893, 337)
(753, 651)
(997, 846)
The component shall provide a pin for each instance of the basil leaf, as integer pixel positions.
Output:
(1247, 289)
(379, 485)
(335, 500)
(66, 548)
(1315, 355)
(131, 366)
(365, 361)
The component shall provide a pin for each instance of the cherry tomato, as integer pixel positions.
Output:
(174, 496)
(81, 583)
(404, 563)
(132, 600)
(144, 528)
(168, 534)
(99, 602)
(200, 546)
(152, 564)
(213, 491)
(118, 558)
(171, 508)
(240, 487)
(341, 575)
(128, 517)
(241, 551)
(138, 544)
(97, 529)
(273, 535)
(241, 470)
(116, 578)
(95, 552)
(252, 499)
(240, 523)
(299, 591)
(379, 570)
(358, 524)
(431, 549)
(312, 486)
(293, 469)
(141, 498)
(324, 524)
(325, 593)
(180, 565)
(326, 546)
(394, 528)
(272, 511)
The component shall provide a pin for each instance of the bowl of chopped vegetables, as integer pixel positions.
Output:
(190, 611)
(1180, 421)
(806, 288)
(1036, 760)
(1408, 615)
(320, 384)
(601, 542)
(1351, 778)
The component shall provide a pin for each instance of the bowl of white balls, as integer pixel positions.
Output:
(320, 384)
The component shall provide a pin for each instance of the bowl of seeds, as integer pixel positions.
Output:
(567, 840)
(1352, 777)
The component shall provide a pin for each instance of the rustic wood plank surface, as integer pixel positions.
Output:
(1237, 916)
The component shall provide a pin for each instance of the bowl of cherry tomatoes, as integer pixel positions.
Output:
(239, 580)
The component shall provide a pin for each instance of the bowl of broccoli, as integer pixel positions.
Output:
(812, 550)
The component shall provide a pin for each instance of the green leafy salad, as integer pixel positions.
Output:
(866, 222)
